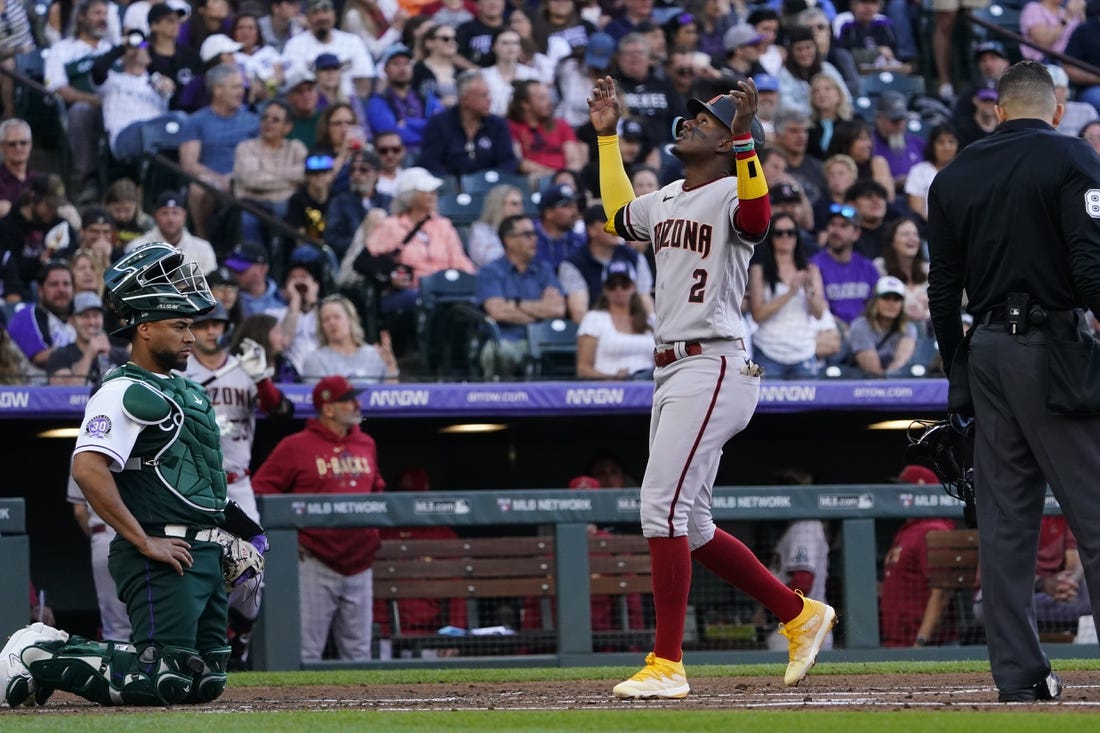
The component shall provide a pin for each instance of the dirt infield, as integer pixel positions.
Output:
(836, 692)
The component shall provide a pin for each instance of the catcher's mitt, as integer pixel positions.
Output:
(947, 446)
(242, 560)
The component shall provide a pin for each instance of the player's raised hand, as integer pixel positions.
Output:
(603, 107)
(744, 100)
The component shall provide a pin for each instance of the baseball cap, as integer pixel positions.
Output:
(766, 83)
(1058, 75)
(298, 76)
(170, 198)
(786, 193)
(597, 53)
(159, 12)
(334, 388)
(86, 301)
(892, 105)
(740, 35)
(991, 47)
(620, 268)
(631, 130)
(987, 92)
(584, 482)
(914, 474)
(557, 195)
(398, 49)
(216, 45)
(220, 276)
(244, 255)
(319, 5)
(417, 179)
(95, 215)
(326, 61)
(889, 285)
(217, 313)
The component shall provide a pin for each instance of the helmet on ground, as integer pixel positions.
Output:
(156, 282)
(722, 107)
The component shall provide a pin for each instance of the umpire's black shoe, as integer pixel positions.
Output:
(1050, 688)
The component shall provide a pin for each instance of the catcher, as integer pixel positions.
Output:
(148, 461)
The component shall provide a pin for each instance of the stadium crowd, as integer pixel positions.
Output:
(344, 153)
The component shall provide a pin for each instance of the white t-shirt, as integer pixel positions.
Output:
(303, 49)
(128, 99)
(919, 180)
(616, 350)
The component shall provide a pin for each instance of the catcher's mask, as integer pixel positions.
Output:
(947, 447)
(156, 282)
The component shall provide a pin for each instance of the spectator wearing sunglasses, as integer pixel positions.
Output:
(307, 208)
(615, 337)
(15, 170)
(347, 209)
(435, 73)
(883, 339)
(787, 296)
(849, 277)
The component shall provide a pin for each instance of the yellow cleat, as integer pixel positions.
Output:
(806, 633)
(658, 678)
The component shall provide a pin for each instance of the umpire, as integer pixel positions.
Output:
(1015, 221)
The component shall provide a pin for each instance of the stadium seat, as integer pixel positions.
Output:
(552, 349)
(160, 137)
(482, 181)
(872, 85)
(1004, 15)
(444, 328)
(463, 209)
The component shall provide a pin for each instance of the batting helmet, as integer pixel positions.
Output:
(723, 108)
(156, 282)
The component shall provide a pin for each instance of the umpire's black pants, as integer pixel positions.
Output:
(1019, 448)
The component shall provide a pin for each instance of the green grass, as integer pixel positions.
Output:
(461, 674)
(663, 717)
(604, 721)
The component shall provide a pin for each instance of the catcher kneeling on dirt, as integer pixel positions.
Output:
(148, 461)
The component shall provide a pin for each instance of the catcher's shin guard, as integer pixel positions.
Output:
(113, 673)
(209, 684)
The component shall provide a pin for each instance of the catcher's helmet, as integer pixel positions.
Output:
(156, 282)
(723, 108)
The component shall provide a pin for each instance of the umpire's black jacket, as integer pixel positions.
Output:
(1016, 212)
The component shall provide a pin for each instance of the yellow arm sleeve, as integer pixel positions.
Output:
(615, 189)
(750, 178)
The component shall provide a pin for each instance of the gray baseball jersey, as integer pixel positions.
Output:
(803, 547)
(234, 398)
(702, 260)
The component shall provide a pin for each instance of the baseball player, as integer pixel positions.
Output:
(702, 230)
(236, 384)
(113, 621)
(148, 461)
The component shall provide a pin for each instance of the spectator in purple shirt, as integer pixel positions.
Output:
(849, 277)
(901, 148)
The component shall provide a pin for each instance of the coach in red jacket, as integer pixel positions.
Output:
(331, 456)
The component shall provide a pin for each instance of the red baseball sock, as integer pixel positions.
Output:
(670, 560)
(729, 559)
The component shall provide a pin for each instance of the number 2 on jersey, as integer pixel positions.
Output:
(695, 295)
